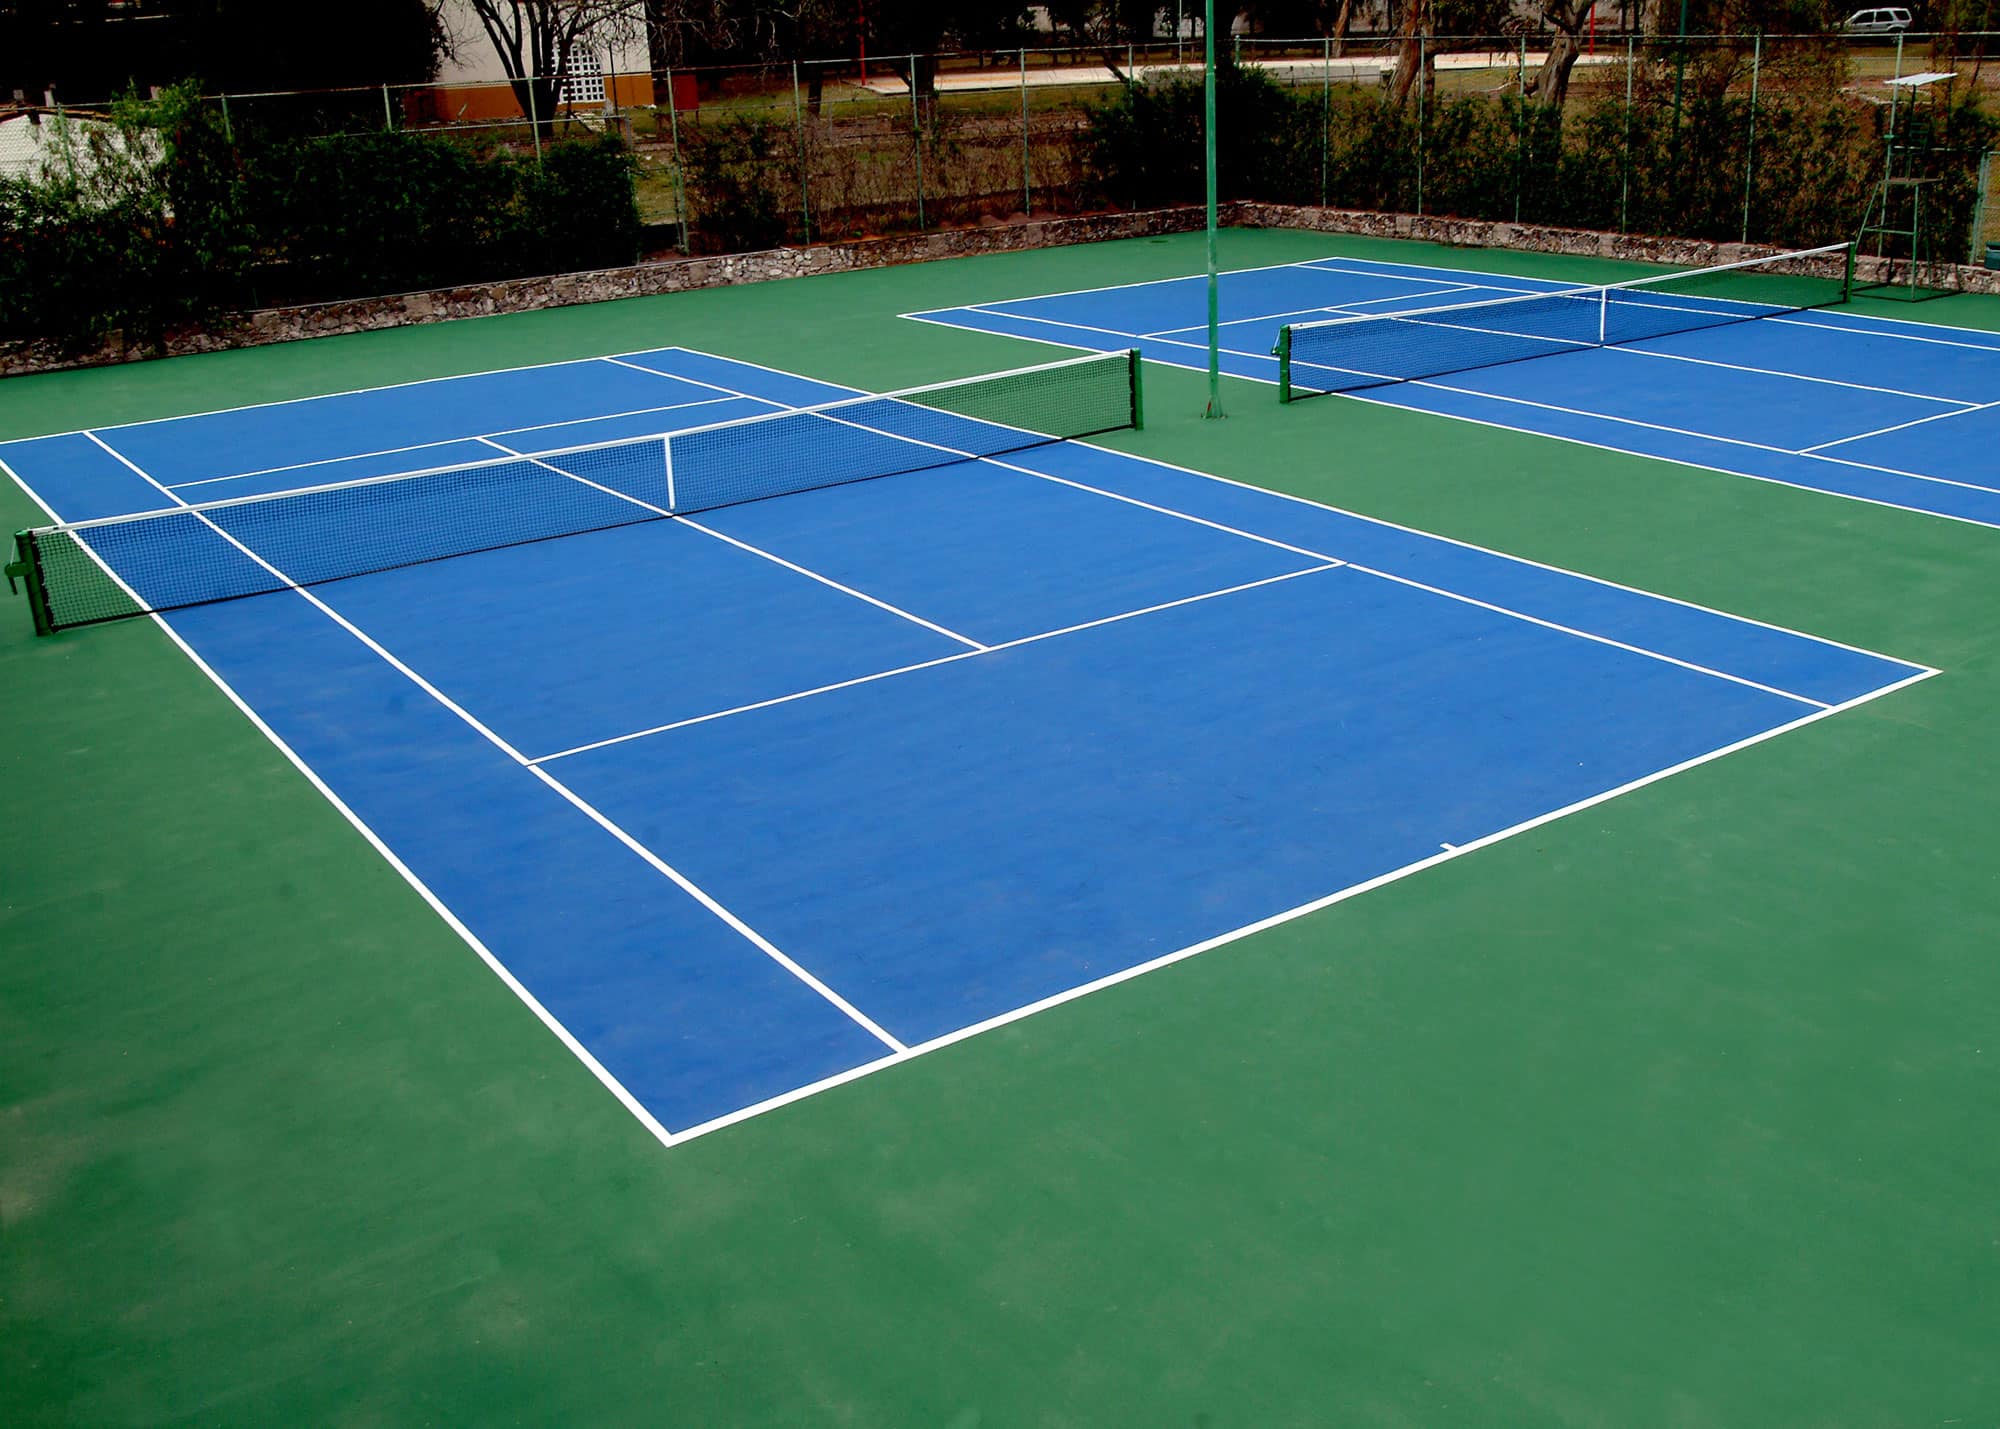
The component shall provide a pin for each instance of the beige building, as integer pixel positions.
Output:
(609, 66)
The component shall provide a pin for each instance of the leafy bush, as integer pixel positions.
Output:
(1147, 146)
(134, 223)
(739, 174)
(390, 212)
(159, 219)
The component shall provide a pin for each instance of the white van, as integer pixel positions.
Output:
(1877, 22)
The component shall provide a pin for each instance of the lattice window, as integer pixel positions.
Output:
(584, 84)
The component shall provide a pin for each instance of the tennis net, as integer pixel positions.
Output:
(1351, 354)
(89, 572)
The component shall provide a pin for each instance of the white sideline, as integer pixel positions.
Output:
(375, 841)
(898, 1051)
(1447, 853)
(686, 885)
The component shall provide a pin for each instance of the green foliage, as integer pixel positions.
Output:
(579, 209)
(1146, 144)
(739, 175)
(1807, 171)
(158, 219)
(133, 224)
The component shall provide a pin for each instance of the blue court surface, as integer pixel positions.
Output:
(748, 804)
(1898, 413)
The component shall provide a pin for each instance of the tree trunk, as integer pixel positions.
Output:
(1413, 54)
(1551, 82)
(1340, 27)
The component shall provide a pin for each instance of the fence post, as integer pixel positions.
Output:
(1750, 138)
(1325, 111)
(680, 187)
(917, 140)
(534, 122)
(799, 133)
(1625, 148)
(1422, 55)
(1027, 173)
(388, 115)
(1520, 125)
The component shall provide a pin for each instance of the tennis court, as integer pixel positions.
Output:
(800, 784)
(583, 867)
(1757, 372)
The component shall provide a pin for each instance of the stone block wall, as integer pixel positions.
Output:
(270, 325)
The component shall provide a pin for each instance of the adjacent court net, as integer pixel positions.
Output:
(1373, 350)
(87, 572)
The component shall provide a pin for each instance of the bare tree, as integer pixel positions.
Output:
(537, 40)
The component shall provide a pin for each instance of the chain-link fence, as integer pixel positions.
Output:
(1776, 139)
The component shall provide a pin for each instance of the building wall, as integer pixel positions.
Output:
(620, 48)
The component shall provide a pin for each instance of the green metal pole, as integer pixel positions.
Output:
(1208, 145)
(1680, 70)
(1422, 65)
(27, 565)
(917, 139)
(1520, 126)
(805, 182)
(1625, 148)
(680, 189)
(534, 121)
(1750, 137)
(1325, 111)
(1027, 173)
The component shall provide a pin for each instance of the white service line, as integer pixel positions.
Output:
(1465, 599)
(1328, 557)
(1846, 329)
(451, 442)
(870, 679)
(1432, 536)
(1810, 455)
(397, 387)
(776, 560)
(1900, 426)
(1124, 338)
(660, 865)
(1349, 309)
(1136, 283)
(1687, 463)
(1780, 372)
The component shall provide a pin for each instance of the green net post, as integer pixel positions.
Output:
(1285, 363)
(1847, 274)
(27, 569)
(1138, 392)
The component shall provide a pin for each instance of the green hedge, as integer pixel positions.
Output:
(177, 222)
(1810, 164)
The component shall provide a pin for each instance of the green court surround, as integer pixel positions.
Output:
(1679, 1111)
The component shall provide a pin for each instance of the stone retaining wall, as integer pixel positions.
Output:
(517, 295)
(678, 275)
